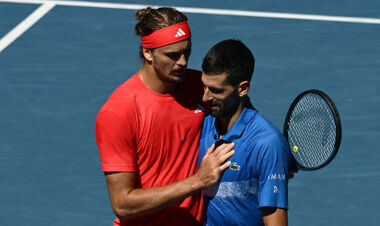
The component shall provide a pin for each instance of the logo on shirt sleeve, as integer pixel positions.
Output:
(276, 176)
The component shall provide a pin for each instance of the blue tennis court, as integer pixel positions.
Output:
(57, 72)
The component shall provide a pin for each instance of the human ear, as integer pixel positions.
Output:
(243, 88)
(147, 53)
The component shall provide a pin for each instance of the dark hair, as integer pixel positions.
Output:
(150, 20)
(231, 57)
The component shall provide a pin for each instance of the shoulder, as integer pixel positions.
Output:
(264, 132)
(123, 98)
(127, 89)
(264, 126)
(208, 123)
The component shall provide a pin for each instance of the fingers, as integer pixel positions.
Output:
(210, 149)
(226, 155)
(221, 154)
(225, 166)
(214, 163)
(221, 149)
(224, 151)
(224, 148)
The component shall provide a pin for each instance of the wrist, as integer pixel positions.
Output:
(196, 182)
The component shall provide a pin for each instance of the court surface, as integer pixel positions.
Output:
(56, 74)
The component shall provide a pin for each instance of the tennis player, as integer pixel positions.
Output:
(148, 131)
(254, 190)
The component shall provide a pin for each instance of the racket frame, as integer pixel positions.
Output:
(337, 121)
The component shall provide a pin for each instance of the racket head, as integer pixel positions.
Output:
(313, 130)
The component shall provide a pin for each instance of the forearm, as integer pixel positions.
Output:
(133, 202)
(129, 201)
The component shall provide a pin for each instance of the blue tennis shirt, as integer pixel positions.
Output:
(258, 175)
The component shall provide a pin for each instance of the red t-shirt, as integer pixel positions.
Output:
(157, 137)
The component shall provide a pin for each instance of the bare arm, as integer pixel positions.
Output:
(128, 201)
(273, 216)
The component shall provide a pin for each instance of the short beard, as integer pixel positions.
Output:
(223, 112)
(217, 114)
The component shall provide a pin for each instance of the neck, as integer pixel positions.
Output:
(226, 123)
(150, 78)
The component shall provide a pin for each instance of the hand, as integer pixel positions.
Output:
(214, 163)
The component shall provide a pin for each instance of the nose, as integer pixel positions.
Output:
(206, 95)
(182, 60)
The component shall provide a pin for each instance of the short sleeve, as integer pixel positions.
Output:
(274, 163)
(116, 138)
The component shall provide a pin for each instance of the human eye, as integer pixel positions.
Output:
(187, 52)
(173, 55)
(216, 90)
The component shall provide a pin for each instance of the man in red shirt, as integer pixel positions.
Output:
(148, 131)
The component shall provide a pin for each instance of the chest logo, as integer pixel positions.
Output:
(234, 166)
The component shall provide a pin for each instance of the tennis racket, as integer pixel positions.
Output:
(313, 130)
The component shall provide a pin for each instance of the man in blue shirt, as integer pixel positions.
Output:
(254, 190)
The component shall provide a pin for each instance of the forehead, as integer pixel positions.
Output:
(175, 47)
(216, 81)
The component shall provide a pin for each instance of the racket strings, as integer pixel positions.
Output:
(312, 131)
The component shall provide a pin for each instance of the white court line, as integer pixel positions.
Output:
(210, 11)
(25, 25)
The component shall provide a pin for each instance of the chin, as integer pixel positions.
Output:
(216, 114)
(175, 78)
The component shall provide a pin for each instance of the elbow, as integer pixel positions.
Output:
(123, 213)
(126, 212)
(123, 207)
